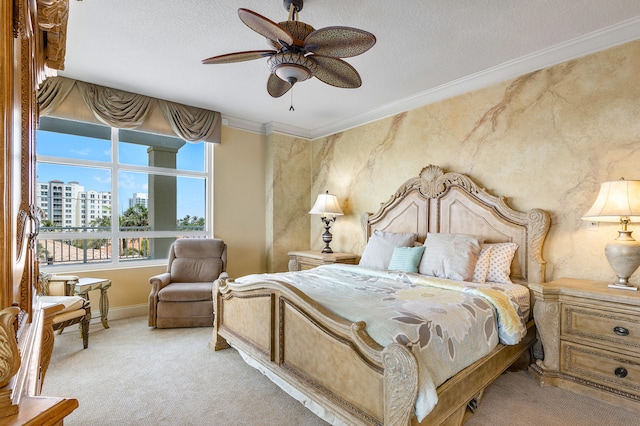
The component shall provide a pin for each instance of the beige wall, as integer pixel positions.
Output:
(240, 200)
(545, 140)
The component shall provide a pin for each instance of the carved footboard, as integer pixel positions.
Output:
(336, 364)
(332, 361)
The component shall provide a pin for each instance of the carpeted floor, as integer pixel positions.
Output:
(135, 375)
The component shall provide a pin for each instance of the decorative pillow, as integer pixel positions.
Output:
(451, 256)
(379, 249)
(406, 259)
(482, 265)
(500, 264)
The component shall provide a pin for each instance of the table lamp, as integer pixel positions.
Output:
(619, 202)
(327, 207)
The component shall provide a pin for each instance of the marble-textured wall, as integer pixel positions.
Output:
(288, 188)
(544, 140)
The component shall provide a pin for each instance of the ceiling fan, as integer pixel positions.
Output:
(301, 52)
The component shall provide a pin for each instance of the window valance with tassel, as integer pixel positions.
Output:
(125, 110)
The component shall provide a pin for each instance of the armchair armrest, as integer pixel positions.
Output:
(159, 281)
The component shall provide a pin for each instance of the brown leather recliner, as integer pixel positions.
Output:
(183, 296)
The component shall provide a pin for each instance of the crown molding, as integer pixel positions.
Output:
(596, 41)
(266, 128)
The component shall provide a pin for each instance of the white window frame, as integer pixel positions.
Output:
(115, 234)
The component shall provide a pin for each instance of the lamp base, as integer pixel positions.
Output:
(623, 287)
(623, 255)
(327, 237)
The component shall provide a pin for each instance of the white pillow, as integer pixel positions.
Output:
(482, 265)
(379, 249)
(451, 256)
(500, 264)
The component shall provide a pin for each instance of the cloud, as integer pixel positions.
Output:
(128, 181)
(83, 152)
(100, 179)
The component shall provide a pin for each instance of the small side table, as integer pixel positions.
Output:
(301, 260)
(85, 285)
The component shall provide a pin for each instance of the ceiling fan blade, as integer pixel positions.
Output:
(336, 72)
(339, 42)
(276, 86)
(264, 26)
(239, 57)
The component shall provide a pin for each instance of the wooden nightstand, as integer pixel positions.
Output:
(301, 260)
(591, 340)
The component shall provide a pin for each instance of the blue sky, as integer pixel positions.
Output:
(190, 157)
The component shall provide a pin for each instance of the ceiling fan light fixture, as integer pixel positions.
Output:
(292, 67)
(292, 73)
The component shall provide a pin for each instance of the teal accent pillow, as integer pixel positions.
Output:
(406, 259)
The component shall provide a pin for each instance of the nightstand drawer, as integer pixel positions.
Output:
(600, 366)
(601, 325)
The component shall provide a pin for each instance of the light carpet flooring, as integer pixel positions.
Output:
(135, 375)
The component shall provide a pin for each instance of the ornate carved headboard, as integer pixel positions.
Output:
(447, 202)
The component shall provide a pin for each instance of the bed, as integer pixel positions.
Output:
(333, 364)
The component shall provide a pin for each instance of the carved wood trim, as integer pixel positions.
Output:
(21, 224)
(52, 20)
(433, 182)
(47, 345)
(9, 353)
(400, 384)
(547, 315)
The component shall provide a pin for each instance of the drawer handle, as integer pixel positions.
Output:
(621, 372)
(621, 331)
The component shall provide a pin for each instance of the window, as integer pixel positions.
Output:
(127, 195)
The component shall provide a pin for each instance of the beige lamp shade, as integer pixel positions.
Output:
(328, 208)
(619, 198)
(326, 205)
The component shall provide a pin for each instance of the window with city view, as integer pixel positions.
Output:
(111, 195)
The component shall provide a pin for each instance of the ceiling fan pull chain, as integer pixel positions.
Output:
(291, 108)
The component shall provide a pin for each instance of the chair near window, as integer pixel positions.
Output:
(183, 296)
(58, 289)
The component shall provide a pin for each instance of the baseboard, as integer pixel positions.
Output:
(122, 312)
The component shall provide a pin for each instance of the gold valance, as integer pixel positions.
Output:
(125, 110)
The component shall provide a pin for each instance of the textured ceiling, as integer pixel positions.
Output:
(425, 51)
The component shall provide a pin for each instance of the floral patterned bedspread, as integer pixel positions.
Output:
(447, 324)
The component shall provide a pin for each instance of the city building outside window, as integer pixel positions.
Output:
(114, 196)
